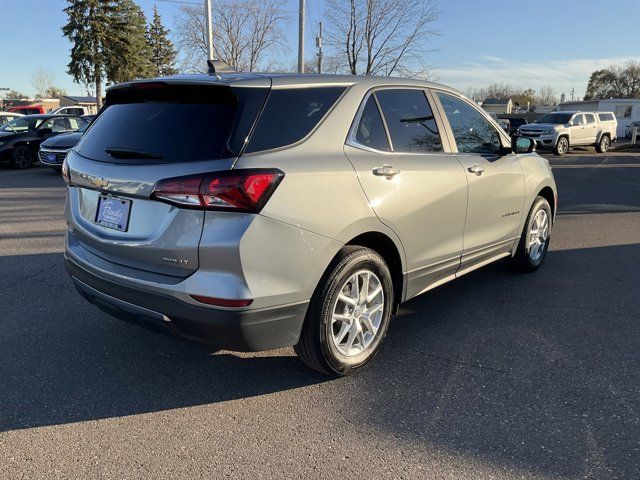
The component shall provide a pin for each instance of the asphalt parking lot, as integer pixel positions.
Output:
(496, 375)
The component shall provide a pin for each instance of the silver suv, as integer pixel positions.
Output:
(560, 131)
(253, 212)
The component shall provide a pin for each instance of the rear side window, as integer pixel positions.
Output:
(606, 117)
(163, 124)
(370, 131)
(590, 118)
(290, 114)
(410, 121)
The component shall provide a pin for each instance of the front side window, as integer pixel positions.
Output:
(370, 131)
(472, 131)
(21, 125)
(290, 114)
(76, 122)
(410, 121)
(577, 120)
(57, 125)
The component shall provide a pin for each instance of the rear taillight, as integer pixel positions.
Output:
(244, 190)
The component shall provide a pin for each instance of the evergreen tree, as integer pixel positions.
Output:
(130, 54)
(89, 30)
(163, 53)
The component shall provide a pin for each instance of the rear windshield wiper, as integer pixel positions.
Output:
(131, 154)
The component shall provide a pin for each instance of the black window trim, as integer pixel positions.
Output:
(353, 130)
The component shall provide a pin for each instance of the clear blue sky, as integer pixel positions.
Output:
(528, 44)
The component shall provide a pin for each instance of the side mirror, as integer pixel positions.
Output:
(43, 132)
(523, 145)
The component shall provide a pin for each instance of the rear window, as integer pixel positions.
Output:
(290, 115)
(164, 123)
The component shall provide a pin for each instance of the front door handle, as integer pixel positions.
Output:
(385, 171)
(477, 169)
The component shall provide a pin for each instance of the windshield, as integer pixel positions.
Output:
(555, 118)
(22, 124)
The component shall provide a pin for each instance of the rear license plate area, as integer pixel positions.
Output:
(113, 212)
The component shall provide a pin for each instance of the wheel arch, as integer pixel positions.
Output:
(389, 251)
(549, 195)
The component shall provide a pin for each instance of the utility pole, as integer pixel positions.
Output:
(301, 37)
(207, 6)
(319, 45)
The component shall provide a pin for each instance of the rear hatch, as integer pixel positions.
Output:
(148, 132)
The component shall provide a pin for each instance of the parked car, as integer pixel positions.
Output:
(76, 110)
(515, 123)
(252, 212)
(54, 150)
(628, 131)
(6, 117)
(560, 131)
(505, 124)
(28, 109)
(21, 137)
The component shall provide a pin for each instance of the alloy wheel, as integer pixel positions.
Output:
(563, 146)
(538, 235)
(357, 313)
(22, 157)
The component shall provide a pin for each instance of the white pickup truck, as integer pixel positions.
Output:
(559, 131)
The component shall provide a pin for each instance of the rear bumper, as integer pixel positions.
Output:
(239, 330)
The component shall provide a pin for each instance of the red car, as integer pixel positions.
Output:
(28, 109)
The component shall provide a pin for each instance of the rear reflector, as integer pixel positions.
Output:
(243, 190)
(65, 172)
(222, 302)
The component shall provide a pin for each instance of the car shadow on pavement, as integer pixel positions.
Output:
(537, 372)
(534, 372)
(62, 360)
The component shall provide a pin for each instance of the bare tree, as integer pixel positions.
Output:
(381, 37)
(500, 90)
(42, 81)
(243, 33)
(546, 96)
(475, 94)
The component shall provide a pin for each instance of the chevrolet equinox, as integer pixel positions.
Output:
(252, 212)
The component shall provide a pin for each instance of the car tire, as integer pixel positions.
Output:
(562, 146)
(603, 144)
(530, 254)
(21, 157)
(339, 338)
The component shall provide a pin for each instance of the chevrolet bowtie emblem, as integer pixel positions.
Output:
(99, 182)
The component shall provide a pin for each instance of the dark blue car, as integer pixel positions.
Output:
(54, 150)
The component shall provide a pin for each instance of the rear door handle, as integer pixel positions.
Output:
(477, 169)
(385, 171)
